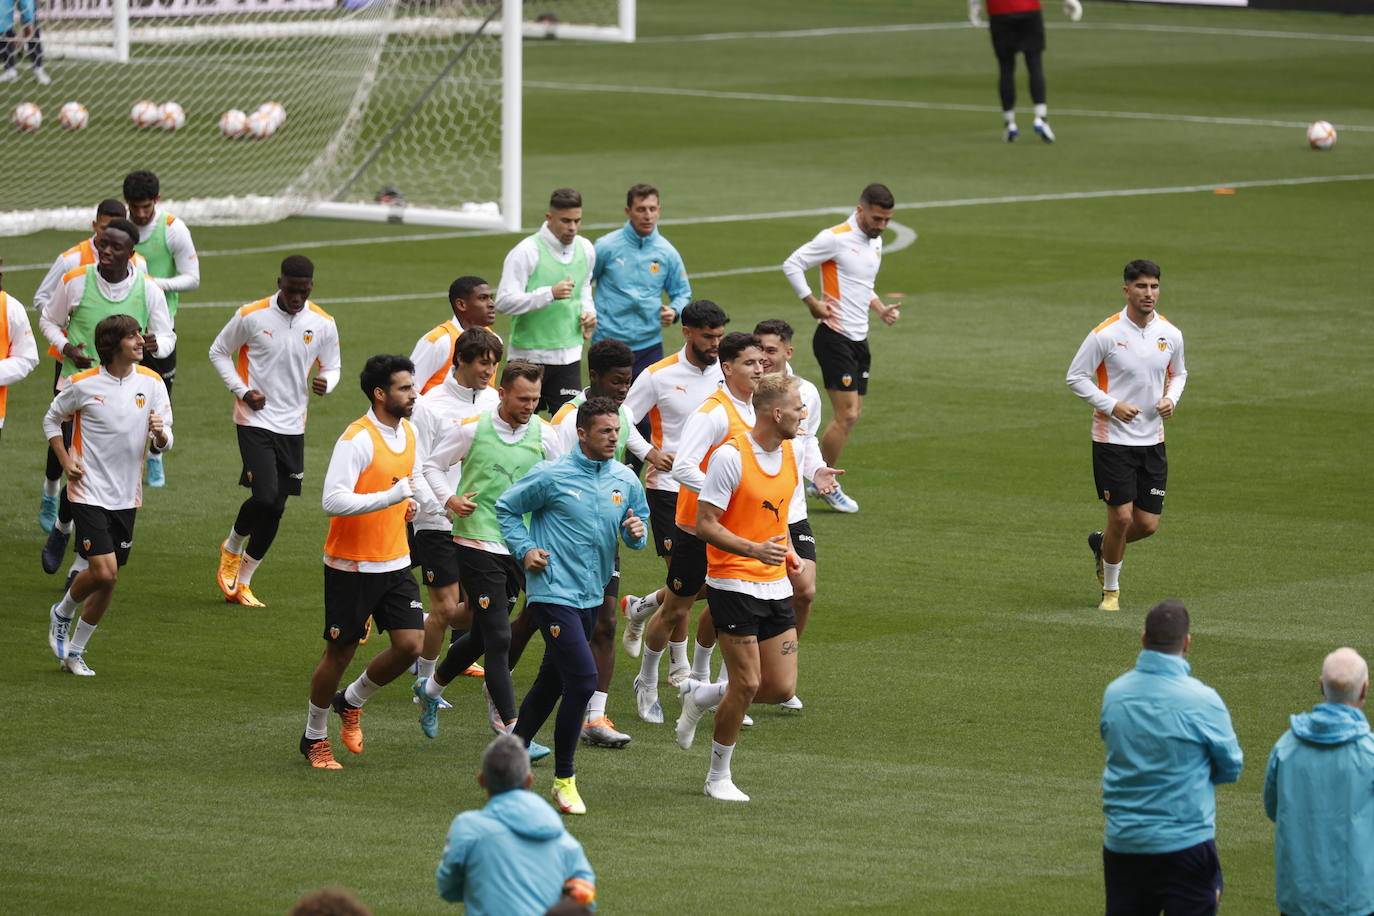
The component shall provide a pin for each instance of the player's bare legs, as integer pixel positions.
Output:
(846, 406)
(1125, 523)
(803, 593)
(446, 609)
(94, 586)
(759, 672)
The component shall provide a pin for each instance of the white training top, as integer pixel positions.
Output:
(566, 425)
(704, 430)
(443, 407)
(65, 300)
(511, 298)
(668, 393)
(722, 477)
(453, 446)
(183, 251)
(849, 262)
(1121, 361)
(807, 444)
(22, 355)
(350, 458)
(110, 432)
(69, 260)
(264, 348)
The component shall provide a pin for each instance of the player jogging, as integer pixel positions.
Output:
(119, 410)
(165, 242)
(1130, 368)
(1017, 26)
(473, 307)
(18, 352)
(848, 255)
(367, 496)
(264, 355)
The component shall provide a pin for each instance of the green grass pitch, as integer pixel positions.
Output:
(947, 760)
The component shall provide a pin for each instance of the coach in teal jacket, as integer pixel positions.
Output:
(1319, 791)
(634, 266)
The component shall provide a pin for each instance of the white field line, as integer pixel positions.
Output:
(916, 105)
(878, 30)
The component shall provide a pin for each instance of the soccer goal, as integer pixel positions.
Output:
(395, 110)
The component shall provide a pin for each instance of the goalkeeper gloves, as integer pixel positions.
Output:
(975, 11)
(1072, 8)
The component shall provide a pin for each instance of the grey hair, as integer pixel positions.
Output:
(505, 764)
(1344, 674)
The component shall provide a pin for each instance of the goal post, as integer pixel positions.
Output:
(395, 110)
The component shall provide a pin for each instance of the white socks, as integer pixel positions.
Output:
(596, 706)
(644, 608)
(720, 761)
(1009, 117)
(701, 661)
(317, 722)
(708, 695)
(246, 568)
(433, 688)
(358, 691)
(677, 654)
(1111, 576)
(1042, 111)
(68, 606)
(235, 541)
(648, 668)
(52, 487)
(64, 527)
(78, 641)
(427, 666)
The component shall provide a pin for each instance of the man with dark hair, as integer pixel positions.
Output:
(87, 294)
(1169, 743)
(165, 242)
(1130, 368)
(546, 289)
(18, 353)
(1017, 26)
(465, 392)
(265, 355)
(496, 448)
(513, 857)
(1319, 792)
(473, 307)
(577, 505)
(848, 255)
(368, 493)
(635, 267)
(123, 411)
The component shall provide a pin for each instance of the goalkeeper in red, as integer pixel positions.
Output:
(1018, 27)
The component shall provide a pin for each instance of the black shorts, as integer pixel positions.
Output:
(1013, 32)
(561, 385)
(100, 531)
(491, 580)
(1187, 882)
(744, 615)
(612, 589)
(1131, 474)
(844, 363)
(687, 565)
(391, 599)
(438, 556)
(273, 463)
(803, 539)
(662, 515)
(167, 368)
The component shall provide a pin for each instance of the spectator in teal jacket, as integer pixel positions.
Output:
(1319, 792)
(635, 266)
(513, 857)
(1169, 743)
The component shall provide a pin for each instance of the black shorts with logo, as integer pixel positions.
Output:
(492, 581)
(687, 565)
(391, 599)
(1013, 32)
(273, 463)
(662, 515)
(438, 557)
(803, 539)
(100, 531)
(744, 615)
(1131, 474)
(561, 385)
(844, 363)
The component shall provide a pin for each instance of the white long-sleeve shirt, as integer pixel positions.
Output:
(849, 262)
(52, 322)
(565, 421)
(21, 356)
(183, 251)
(668, 392)
(512, 298)
(807, 445)
(346, 464)
(110, 432)
(266, 349)
(1121, 361)
(443, 407)
(705, 429)
(79, 255)
(455, 443)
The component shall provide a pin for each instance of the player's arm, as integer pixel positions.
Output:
(23, 353)
(160, 421)
(636, 444)
(527, 494)
(702, 430)
(52, 321)
(52, 282)
(588, 302)
(184, 258)
(564, 424)
(1222, 746)
(1271, 785)
(1178, 377)
(159, 328)
(449, 876)
(811, 466)
(639, 505)
(1082, 375)
(550, 439)
(224, 348)
(722, 478)
(426, 431)
(329, 361)
(511, 298)
(350, 458)
(815, 252)
(450, 447)
(676, 285)
(428, 357)
(63, 407)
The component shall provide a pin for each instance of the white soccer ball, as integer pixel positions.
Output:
(233, 123)
(275, 113)
(170, 116)
(1321, 135)
(260, 125)
(73, 116)
(145, 114)
(27, 117)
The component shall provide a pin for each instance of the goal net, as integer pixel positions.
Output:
(399, 110)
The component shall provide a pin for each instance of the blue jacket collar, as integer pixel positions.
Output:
(579, 458)
(1152, 662)
(639, 241)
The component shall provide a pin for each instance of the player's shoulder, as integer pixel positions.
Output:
(353, 429)
(1107, 323)
(473, 419)
(145, 371)
(78, 271)
(563, 413)
(842, 229)
(439, 332)
(250, 308)
(1169, 324)
(85, 374)
(319, 311)
(666, 362)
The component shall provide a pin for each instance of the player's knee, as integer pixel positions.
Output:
(1119, 516)
(1144, 526)
(408, 642)
(105, 575)
(745, 684)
